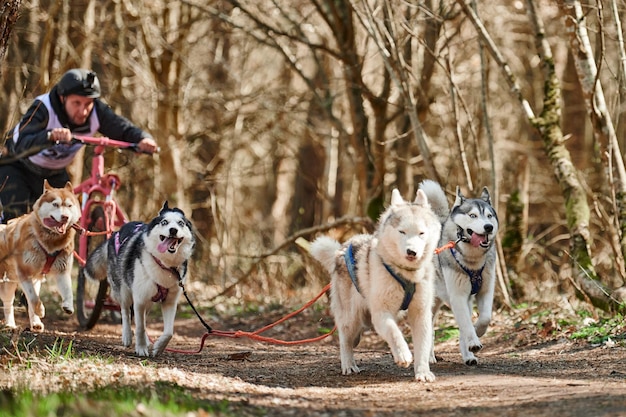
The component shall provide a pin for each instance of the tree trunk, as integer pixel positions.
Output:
(8, 16)
(603, 127)
(548, 125)
(576, 207)
(341, 15)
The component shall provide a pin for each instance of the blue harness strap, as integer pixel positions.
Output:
(475, 276)
(348, 256)
(408, 287)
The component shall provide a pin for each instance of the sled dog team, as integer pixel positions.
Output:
(144, 263)
(375, 278)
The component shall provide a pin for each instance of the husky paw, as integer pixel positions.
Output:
(475, 347)
(10, 325)
(403, 358)
(67, 304)
(348, 370)
(424, 376)
(471, 362)
(348, 364)
(36, 327)
(160, 345)
(470, 359)
(142, 350)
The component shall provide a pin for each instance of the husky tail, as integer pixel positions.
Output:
(324, 249)
(437, 199)
(96, 265)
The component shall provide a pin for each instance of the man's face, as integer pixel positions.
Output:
(78, 108)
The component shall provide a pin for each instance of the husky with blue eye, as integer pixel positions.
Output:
(467, 272)
(144, 264)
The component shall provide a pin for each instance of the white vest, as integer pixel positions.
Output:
(61, 155)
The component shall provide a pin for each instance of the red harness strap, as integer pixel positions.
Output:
(50, 258)
(161, 294)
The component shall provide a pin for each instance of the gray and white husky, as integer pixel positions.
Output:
(468, 270)
(375, 277)
(144, 263)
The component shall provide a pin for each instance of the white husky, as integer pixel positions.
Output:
(374, 277)
(466, 271)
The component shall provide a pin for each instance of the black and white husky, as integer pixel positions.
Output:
(144, 263)
(468, 270)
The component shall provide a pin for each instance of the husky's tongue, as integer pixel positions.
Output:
(477, 239)
(168, 243)
(59, 227)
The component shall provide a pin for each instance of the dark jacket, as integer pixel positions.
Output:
(34, 126)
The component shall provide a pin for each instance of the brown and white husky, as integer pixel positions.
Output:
(36, 246)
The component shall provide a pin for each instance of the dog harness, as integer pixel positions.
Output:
(408, 287)
(475, 275)
(119, 243)
(348, 256)
(50, 258)
(162, 292)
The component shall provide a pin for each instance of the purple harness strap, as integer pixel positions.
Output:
(119, 243)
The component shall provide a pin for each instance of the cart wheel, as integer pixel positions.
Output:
(91, 295)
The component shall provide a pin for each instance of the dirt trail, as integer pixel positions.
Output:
(520, 373)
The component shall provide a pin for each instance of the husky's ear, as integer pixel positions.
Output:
(421, 198)
(165, 207)
(459, 197)
(485, 195)
(46, 185)
(68, 187)
(396, 198)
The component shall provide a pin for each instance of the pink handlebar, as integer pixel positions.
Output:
(104, 141)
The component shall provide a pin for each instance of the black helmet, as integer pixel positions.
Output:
(79, 81)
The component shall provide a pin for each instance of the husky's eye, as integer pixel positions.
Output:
(56, 205)
(163, 222)
(181, 223)
(473, 215)
(402, 232)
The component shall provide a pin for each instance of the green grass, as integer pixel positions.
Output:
(601, 331)
(443, 334)
(161, 399)
(156, 398)
(60, 350)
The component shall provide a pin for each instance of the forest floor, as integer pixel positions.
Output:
(529, 366)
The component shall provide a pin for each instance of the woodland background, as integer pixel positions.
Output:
(280, 119)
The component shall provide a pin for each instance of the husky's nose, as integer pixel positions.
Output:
(64, 219)
(489, 228)
(411, 252)
(173, 232)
